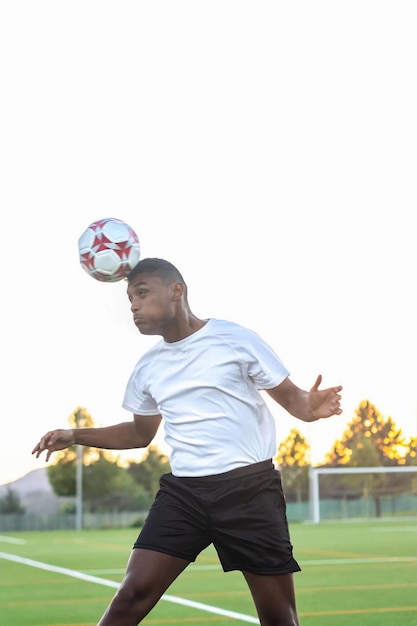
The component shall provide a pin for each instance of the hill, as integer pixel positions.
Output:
(35, 492)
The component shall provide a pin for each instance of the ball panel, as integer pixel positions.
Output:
(85, 242)
(116, 231)
(133, 255)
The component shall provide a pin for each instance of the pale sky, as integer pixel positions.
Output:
(268, 149)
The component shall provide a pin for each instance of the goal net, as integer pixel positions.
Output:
(362, 492)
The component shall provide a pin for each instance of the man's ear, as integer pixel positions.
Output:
(178, 290)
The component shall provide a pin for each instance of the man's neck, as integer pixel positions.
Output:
(184, 328)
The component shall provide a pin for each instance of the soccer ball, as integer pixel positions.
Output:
(109, 249)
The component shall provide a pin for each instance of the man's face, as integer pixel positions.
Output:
(152, 303)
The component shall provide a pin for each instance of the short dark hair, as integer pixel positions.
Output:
(165, 270)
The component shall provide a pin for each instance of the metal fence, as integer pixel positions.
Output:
(67, 521)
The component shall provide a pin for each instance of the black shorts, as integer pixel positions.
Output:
(241, 512)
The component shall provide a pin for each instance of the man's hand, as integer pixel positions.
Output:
(54, 440)
(324, 402)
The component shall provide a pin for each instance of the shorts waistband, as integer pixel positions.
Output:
(246, 470)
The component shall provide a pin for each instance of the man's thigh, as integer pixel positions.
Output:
(274, 598)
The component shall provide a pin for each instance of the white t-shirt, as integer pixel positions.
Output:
(206, 389)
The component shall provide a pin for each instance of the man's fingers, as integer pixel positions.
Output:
(44, 443)
(317, 383)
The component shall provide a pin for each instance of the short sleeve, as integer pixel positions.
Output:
(264, 367)
(138, 400)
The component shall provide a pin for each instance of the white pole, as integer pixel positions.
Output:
(314, 495)
(79, 489)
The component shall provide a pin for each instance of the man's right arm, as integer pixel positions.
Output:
(124, 436)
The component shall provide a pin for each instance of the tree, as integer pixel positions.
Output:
(410, 456)
(108, 486)
(293, 459)
(62, 472)
(411, 459)
(149, 470)
(385, 438)
(369, 440)
(10, 503)
(105, 483)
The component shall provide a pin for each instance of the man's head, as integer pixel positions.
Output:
(167, 272)
(158, 296)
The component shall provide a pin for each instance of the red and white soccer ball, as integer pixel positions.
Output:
(109, 249)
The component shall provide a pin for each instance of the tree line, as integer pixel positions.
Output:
(369, 440)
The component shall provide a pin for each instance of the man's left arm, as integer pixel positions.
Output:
(307, 406)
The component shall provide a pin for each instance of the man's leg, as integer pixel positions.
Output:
(148, 575)
(274, 599)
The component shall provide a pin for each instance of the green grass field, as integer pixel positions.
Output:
(354, 574)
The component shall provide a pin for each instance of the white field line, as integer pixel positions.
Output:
(6, 539)
(394, 529)
(200, 568)
(111, 583)
(190, 603)
(365, 561)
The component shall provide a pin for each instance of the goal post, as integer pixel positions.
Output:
(316, 472)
